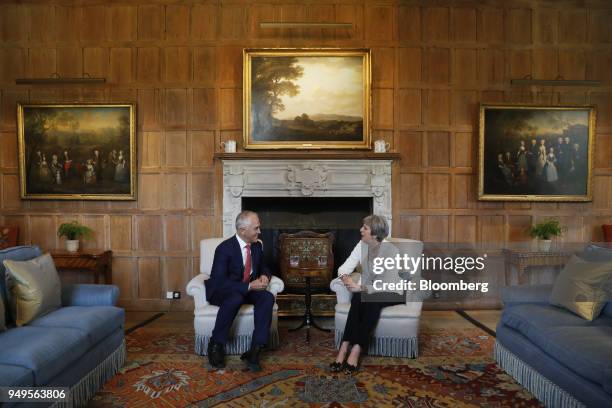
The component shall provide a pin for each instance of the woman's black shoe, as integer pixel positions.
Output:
(336, 367)
(350, 369)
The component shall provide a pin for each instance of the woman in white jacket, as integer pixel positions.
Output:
(367, 302)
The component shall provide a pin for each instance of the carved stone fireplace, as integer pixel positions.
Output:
(305, 179)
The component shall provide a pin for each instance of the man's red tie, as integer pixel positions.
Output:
(247, 264)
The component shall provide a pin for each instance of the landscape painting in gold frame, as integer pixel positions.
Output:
(77, 151)
(306, 99)
(536, 153)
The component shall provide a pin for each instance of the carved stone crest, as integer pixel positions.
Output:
(307, 178)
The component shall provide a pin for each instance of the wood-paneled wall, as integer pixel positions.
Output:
(180, 61)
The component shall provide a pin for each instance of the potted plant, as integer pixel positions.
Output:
(544, 231)
(73, 231)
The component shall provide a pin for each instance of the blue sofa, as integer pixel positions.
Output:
(564, 360)
(80, 345)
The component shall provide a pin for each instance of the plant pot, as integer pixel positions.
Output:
(544, 245)
(72, 245)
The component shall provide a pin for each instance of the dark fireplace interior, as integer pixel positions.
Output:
(340, 215)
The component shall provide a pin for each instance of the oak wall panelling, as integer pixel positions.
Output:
(181, 63)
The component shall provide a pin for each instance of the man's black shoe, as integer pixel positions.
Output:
(251, 357)
(216, 355)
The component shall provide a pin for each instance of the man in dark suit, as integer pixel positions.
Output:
(239, 277)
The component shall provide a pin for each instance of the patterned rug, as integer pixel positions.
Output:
(455, 369)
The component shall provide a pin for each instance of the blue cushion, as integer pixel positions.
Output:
(88, 361)
(585, 350)
(18, 253)
(15, 375)
(607, 311)
(528, 317)
(588, 392)
(85, 294)
(96, 321)
(532, 320)
(596, 253)
(46, 352)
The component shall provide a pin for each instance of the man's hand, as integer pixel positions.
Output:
(258, 284)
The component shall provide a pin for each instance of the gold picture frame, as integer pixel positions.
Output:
(535, 153)
(77, 151)
(306, 98)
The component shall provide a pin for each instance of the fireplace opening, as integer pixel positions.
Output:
(339, 215)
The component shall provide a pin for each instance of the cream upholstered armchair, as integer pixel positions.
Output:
(205, 314)
(396, 334)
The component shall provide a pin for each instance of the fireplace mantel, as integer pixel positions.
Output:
(304, 176)
(307, 154)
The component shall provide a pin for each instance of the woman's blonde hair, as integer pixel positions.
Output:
(378, 226)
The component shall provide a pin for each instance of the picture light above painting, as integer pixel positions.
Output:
(306, 99)
(77, 151)
(536, 153)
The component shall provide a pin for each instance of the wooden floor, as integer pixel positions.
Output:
(430, 319)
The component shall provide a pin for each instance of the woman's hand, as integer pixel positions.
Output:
(349, 284)
(353, 287)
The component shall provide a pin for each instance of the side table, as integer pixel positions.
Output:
(96, 261)
(308, 273)
(526, 259)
